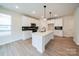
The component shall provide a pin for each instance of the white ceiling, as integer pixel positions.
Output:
(59, 9)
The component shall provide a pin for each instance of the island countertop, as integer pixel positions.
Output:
(40, 40)
(42, 33)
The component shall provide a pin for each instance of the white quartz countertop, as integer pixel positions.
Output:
(40, 40)
(42, 33)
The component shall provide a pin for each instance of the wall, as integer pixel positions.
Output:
(26, 21)
(19, 20)
(16, 27)
(50, 25)
(16, 33)
(76, 35)
(43, 23)
(58, 22)
(68, 26)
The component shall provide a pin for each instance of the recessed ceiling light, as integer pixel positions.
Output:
(33, 12)
(17, 7)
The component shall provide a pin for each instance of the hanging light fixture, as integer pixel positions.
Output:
(50, 14)
(45, 12)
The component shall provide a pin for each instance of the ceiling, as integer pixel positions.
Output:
(37, 9)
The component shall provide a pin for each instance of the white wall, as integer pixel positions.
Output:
(19, 20)
(76, 35)
(16, 27)
(26, 21)
(43, 23)
(58, 22)
(50, 25)
(68, 26)
(16, 33)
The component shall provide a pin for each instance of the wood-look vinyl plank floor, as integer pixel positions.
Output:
(57, 47)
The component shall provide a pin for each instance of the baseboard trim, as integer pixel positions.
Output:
(27, 38)
(7, 42)
(77, 43)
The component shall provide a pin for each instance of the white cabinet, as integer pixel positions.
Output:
(40, 39)
(26, 34)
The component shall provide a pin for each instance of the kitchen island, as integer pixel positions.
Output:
(40, 40)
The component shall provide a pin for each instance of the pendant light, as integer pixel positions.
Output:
(45, 12)
(50, 14)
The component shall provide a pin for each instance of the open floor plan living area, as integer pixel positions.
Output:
(39, 29)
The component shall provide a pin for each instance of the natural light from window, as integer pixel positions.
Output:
(5, 24)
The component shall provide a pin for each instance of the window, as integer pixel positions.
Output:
(5, 24)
